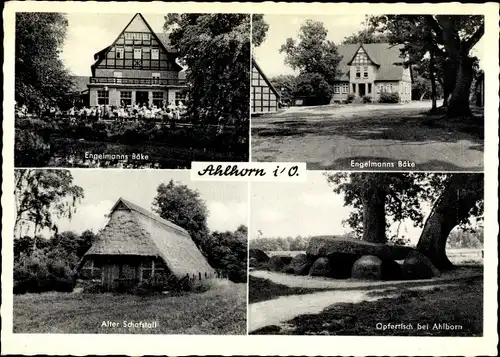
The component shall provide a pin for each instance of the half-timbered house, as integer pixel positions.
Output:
(264, 98)
(139, 67)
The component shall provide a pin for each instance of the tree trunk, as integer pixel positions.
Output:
(461, 193)
(432, 71)
(374, 215)
(449, 79)
(459, 101)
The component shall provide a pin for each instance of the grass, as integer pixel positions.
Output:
(263, 289)
(460, 304)
(221, 310)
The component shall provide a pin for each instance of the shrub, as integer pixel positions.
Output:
(37, 273)
(350, 98)
(367, 99)
(386, 97)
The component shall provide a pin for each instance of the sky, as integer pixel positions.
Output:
(90, 33)
(282, 27)
(226, 201)
(307, 209)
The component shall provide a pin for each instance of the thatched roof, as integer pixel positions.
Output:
(134, 231)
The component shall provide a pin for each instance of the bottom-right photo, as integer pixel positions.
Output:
(367, 254)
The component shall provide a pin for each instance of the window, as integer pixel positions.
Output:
(354, 87)
(365, 72)
(129, 36)
(137, 36)
(102, 97)
(158, 99)
(125, 98)
(145, 37)
(180, 95)
(345, 88)
(119, 52)
(155, 53)
(118, 76)
(336, 89)
(156, 77)
(390, 88)
(358, 72)
(137, 53)
(148, 269)
(378, 88)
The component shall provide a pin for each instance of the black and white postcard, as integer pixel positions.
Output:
(199, 178)
(369, 92)
(131, 90)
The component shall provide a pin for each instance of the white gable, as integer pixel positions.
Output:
(137, 25)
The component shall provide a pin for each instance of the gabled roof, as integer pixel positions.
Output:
(142, 233)
(385, 55)
(162, 38)
(254, 63)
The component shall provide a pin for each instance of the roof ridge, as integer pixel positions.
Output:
(151, 215)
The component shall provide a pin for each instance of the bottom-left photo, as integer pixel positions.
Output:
(129, 251)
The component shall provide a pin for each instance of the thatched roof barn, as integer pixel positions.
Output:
(136, 245)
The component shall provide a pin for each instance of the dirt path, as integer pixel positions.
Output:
(336, 137)
(277, 311)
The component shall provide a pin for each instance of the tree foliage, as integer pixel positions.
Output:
(185, 207)
(259, 29)
(312, 53)
(287, 85)
(447, 40)
(41, 196)
(216, 50)
(366, 35)
(41, 78)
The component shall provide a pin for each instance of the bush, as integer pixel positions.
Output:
(350, 98)
(367, 99)
(386, 97)
(37, 273)
(93, 288)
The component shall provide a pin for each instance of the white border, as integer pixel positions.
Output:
(60, 344)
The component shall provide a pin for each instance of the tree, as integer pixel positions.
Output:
(314, 87)
(259, 29)
(183, 206)
(366, 35)
(312, 53)
(41, 78)
(287, 85)
(380, 199)
(41, 196)
(461, 197)
(447, 38)
(216, 50)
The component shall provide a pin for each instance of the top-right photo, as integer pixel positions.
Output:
(363, 92)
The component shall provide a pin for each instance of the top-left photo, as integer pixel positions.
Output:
(102, 90)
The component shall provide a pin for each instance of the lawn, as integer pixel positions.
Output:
(221, 310)
(375, 136)
(263, 289)
(459, 305)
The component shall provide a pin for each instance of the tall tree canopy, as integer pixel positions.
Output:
(447, 40)
(185, 207)
(366, 35)
(380, 199)
(216, 50)
(259, 29)
(41, 78)
(41, 196)
(312, 53)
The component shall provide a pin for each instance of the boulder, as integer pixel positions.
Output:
(278, 263)
(259, 255)
(400, 252)
(299, 265)
(330, 246)
(418, 266)
(368, 267)
(321, 267)
(391, 270)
